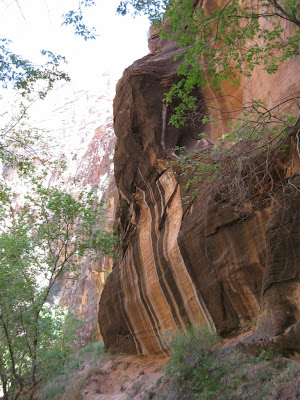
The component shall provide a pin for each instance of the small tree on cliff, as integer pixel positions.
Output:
(40, 241)
(225, 44)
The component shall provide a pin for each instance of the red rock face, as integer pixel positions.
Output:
(202, 264)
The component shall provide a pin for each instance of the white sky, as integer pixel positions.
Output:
(94, 66)
(36, 25)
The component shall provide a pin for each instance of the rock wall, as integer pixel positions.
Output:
(203, 263)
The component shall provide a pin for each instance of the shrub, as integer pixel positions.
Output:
(191, 347)
(200, 369)
(96, 348)
(67, 383)
(52, 390)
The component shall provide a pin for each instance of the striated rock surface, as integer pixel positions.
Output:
(203, 263)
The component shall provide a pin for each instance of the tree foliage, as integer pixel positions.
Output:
(45, 231)
(40, 241)
(21, 144)
(26, 77)
(21, 74)
(154, 9)
(76, 18)
(225, 44)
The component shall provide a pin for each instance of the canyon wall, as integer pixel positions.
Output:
(77, 125)
(203, 262)
(86, 142)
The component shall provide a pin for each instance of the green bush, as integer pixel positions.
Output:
(92, 353)
(191, 347)
(190, 360)
(96, 348)
(52, 390)
(200, 369)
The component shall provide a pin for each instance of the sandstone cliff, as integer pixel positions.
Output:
(202, 263)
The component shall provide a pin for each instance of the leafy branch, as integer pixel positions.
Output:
(41, 241)
(76, 18)
(23, 75)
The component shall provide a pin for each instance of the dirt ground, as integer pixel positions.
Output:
(121, 377)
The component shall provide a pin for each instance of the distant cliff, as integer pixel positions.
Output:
(79, 125)
(85, 133)
(203, 262)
